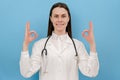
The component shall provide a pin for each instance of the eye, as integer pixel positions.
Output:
(55, 16)
(63, 16)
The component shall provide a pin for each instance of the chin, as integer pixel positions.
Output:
(60, 30)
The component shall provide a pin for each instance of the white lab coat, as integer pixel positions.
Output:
(61, 63)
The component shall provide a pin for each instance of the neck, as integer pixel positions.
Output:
(60, 32)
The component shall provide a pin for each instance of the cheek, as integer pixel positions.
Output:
(53, 21)
(66, 20)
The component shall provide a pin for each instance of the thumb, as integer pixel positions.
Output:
(85, 33)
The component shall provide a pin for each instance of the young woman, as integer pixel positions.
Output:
(59, 56)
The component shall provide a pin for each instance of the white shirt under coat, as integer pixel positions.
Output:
(61, 61)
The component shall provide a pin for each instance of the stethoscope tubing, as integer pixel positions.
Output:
(45, 50)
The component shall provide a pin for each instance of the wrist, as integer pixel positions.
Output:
(25, 46)
(93, 47)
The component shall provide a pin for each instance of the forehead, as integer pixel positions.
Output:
(59, 10)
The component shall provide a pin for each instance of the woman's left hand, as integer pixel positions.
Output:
(88, 34)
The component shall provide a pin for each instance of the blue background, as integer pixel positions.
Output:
(105, 15)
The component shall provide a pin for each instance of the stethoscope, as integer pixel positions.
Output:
(44, 54)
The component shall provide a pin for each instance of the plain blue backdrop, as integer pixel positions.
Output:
(105, 15)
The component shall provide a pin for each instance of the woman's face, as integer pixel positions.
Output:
(60, 19)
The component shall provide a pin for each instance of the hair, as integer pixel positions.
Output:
(50, 25)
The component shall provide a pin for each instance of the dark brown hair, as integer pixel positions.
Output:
(50, 25)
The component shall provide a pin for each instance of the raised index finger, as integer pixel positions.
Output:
(27, 26)
(91, 25)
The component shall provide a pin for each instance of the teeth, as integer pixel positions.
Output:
(59, 24)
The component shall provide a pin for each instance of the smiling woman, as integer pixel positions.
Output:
(60, 19)
(58, 14)
(59, 56)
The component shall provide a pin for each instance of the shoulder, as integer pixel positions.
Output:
(78, 42)
(40, 42)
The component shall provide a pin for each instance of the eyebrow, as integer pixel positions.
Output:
(61, 14)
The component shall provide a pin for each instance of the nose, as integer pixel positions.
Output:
(59, 19)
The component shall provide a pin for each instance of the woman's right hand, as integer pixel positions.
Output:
(29, 36)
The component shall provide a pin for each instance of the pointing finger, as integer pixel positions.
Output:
(91, 25)
(27, 26)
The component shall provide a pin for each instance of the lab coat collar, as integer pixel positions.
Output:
(64, 37)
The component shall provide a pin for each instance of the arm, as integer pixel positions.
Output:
(28, 66)
(89, 64)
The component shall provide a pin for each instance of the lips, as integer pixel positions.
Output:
(59, 24)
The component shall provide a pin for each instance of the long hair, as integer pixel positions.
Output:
(50, 25)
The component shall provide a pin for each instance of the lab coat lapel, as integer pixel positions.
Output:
(67, 46)
(52, 47)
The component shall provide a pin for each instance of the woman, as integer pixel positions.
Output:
(58, 57)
